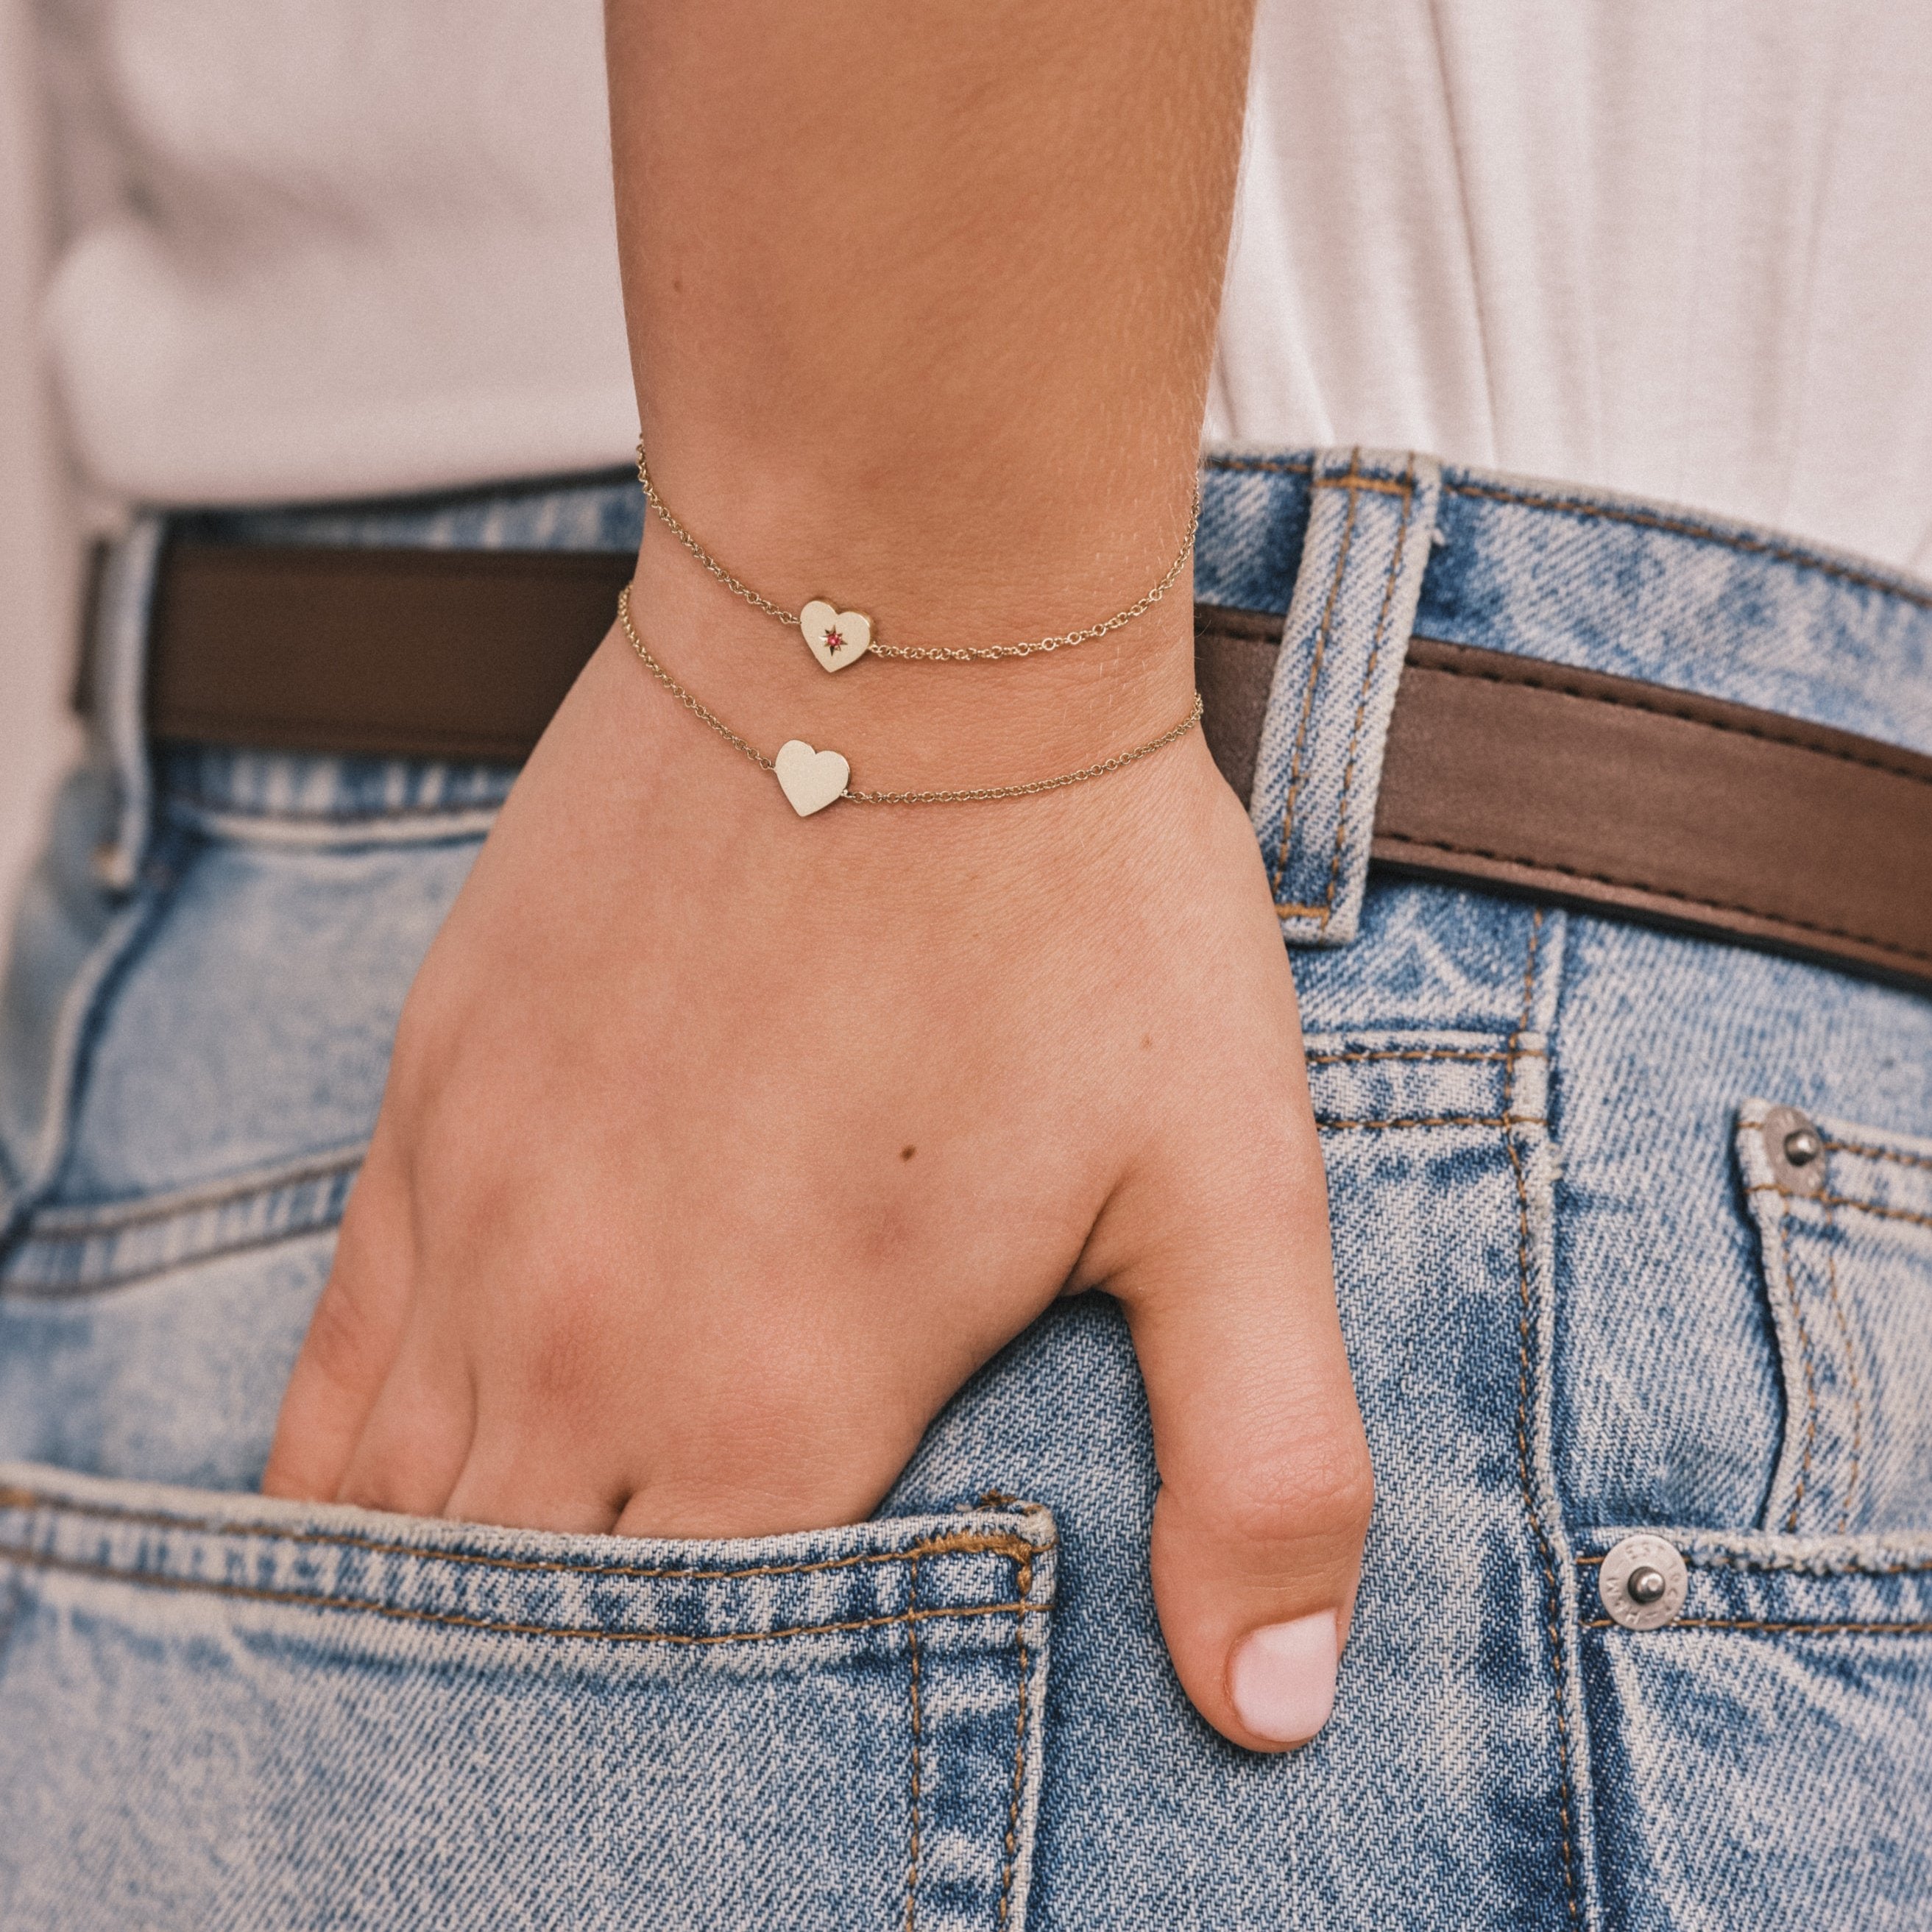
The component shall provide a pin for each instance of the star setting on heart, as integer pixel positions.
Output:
(835, 638)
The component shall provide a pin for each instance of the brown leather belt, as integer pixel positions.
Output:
(1501, 772)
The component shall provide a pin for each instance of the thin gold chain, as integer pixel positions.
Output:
(973, 795)
(931, 653)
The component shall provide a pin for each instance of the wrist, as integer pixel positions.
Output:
(910, 725)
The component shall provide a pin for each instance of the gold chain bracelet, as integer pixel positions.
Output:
(812, 779)
(837, 638)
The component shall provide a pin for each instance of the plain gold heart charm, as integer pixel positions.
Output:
(811, 780)
(837, 637)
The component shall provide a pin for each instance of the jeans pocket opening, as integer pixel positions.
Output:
(841, 1727)
(1846, 1270)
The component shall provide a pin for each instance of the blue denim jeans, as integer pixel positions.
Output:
(1578, 1304)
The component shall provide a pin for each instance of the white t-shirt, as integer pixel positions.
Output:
(1680, 247)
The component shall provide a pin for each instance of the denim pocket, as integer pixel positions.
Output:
(1845, 1241)
(225, 1711)
(152, 1336)
(1765, 1757)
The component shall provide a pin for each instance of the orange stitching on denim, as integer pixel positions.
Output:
(1888, 947)
(1680, 527)
(958, 1543)
(1846, 1628)
(1025, 1582)
(1874, 1207)
(1805, 1356)
(1796, 1565)
(1396, 552)
(1322, 635)
(1271, 465)
(1851, 1370)
(1376, 486)
(491, 1626)
(1497, 1053)
(912, 1867)
(1879, 1153)
(1517, 1049)
(1260, 465)
(1548, 1554)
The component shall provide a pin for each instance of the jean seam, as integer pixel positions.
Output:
(1024, 1580)
(1851, 1366)
(124, 938)
(1396, 552)
(1868, 1152)
(966, 1543)
(190, 809)
(1296, 776)
(1845, 1627)
(505, 1627)
(1797, 1565)
(1348, 1055)
(1547, 1555)
(1805, 1359)
(912, 1856)
(84, 1221)
(959, 1542)
(112, 1284)
(1877, 1208)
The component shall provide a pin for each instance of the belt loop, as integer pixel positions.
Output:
(118, 682)
(1370, 521)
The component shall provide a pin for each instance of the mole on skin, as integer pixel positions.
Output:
(907, 1152)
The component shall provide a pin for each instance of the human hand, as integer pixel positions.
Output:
(720, 1147)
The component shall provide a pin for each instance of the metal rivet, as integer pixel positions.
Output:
(1642, 1582)
(1794, 1149)
(1646, 1584)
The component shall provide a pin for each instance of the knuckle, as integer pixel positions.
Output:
(566, 1345)
(344, 1345)
(1319, 1490)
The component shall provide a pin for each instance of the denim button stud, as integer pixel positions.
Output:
(1645, 1585)
(1795, 1151)
(1642, 1582)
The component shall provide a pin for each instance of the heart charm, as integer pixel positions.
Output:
(837, 637)
(811, 780)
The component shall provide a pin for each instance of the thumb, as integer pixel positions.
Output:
(1265, 1483)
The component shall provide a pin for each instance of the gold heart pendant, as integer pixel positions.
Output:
(837, 637)
(812, 779)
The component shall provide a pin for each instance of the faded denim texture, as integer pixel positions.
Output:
(1578, 1299)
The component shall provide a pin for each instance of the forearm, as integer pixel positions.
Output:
(922, 306)
(720, 1147)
